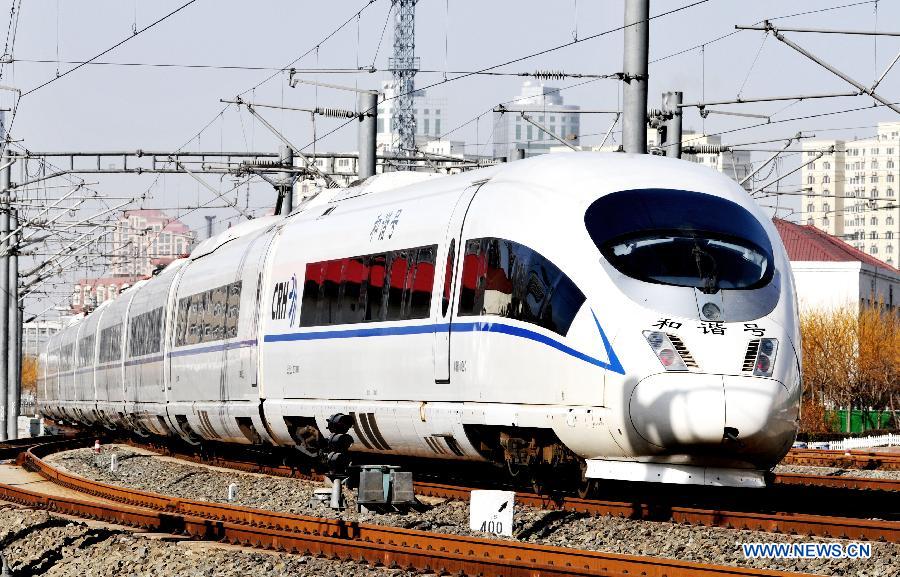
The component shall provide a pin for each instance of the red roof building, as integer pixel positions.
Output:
(829, 273)
(808, 243)
(145, 239)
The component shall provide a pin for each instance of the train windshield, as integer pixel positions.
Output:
(681, 238)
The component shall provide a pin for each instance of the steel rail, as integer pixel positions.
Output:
(377, 545)
(854, 459)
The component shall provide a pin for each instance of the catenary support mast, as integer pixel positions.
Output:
(637, 43)
(671, 102)
(15, 349)
(368, 111)
(404, 65)
(5, 384)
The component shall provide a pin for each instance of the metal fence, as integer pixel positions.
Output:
(888, 440)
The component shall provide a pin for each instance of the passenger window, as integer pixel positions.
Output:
(220, 306)
(498, 287)
(352, 304)
(209, 318)
(375, 288)
(470, 297)
(505, 278)
(309, 307)
(448, 278)
(233, 310)
(421, 284)
(195, 319)
(397, 284)
(328, 309)
(386, 286)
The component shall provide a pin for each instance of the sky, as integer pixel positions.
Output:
(109, 107)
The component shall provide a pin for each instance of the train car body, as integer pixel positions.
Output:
(633, 316)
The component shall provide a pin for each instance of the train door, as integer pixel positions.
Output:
(241, 322)
(450, 249)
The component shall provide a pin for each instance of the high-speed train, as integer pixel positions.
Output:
(631, 316)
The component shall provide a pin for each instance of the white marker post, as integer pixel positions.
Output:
(492, 512)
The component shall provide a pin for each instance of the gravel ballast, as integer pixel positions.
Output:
(37, 543)
(149, 472)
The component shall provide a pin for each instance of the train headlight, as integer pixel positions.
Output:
(664, 351)
(765, 358)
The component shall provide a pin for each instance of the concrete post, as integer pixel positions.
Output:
(209, 225)
(5, 409)
(15, 348)
(368, 109)
(670, 103)
(637, 41)
(286, 187)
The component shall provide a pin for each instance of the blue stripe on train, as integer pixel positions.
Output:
(478, 326)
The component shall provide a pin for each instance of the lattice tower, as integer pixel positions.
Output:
(404, 66)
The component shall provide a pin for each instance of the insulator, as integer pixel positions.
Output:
(705, 149)
(335, 112)
(550, 74)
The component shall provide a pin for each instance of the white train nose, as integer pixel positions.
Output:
(761, 411)
(670, 409)
(678, 409)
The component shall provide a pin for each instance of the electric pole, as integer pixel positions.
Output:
(286, 180)
(15, 320)
(671, 102)
(368, 112)
(637, 42)
(5, 384)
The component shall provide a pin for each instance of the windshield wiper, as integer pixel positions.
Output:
(711, 280)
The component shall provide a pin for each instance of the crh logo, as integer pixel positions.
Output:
(284, 300)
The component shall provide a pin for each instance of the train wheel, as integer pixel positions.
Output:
(586, 487)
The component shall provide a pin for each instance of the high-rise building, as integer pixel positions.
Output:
(35, 335)
(90, 293)
(429, 113)
(852, 193)
(544, 104)
(144, 240)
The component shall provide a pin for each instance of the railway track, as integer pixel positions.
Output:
(784, 520)
(855, 459)
(372, 544)
(865, 492)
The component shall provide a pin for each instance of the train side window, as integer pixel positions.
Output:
(508, 279)
(233, 309)
(375, 288)
(331, 284)
(448, 278)
(471, 297)
(421, 283)
(86, 351)
(353, 305)
(397, 283)
(499, 257)
(309, 306)
(195, 319)
(111, 344)
(181, 330)
(155, 318)
(65, 361)
(220, 301)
